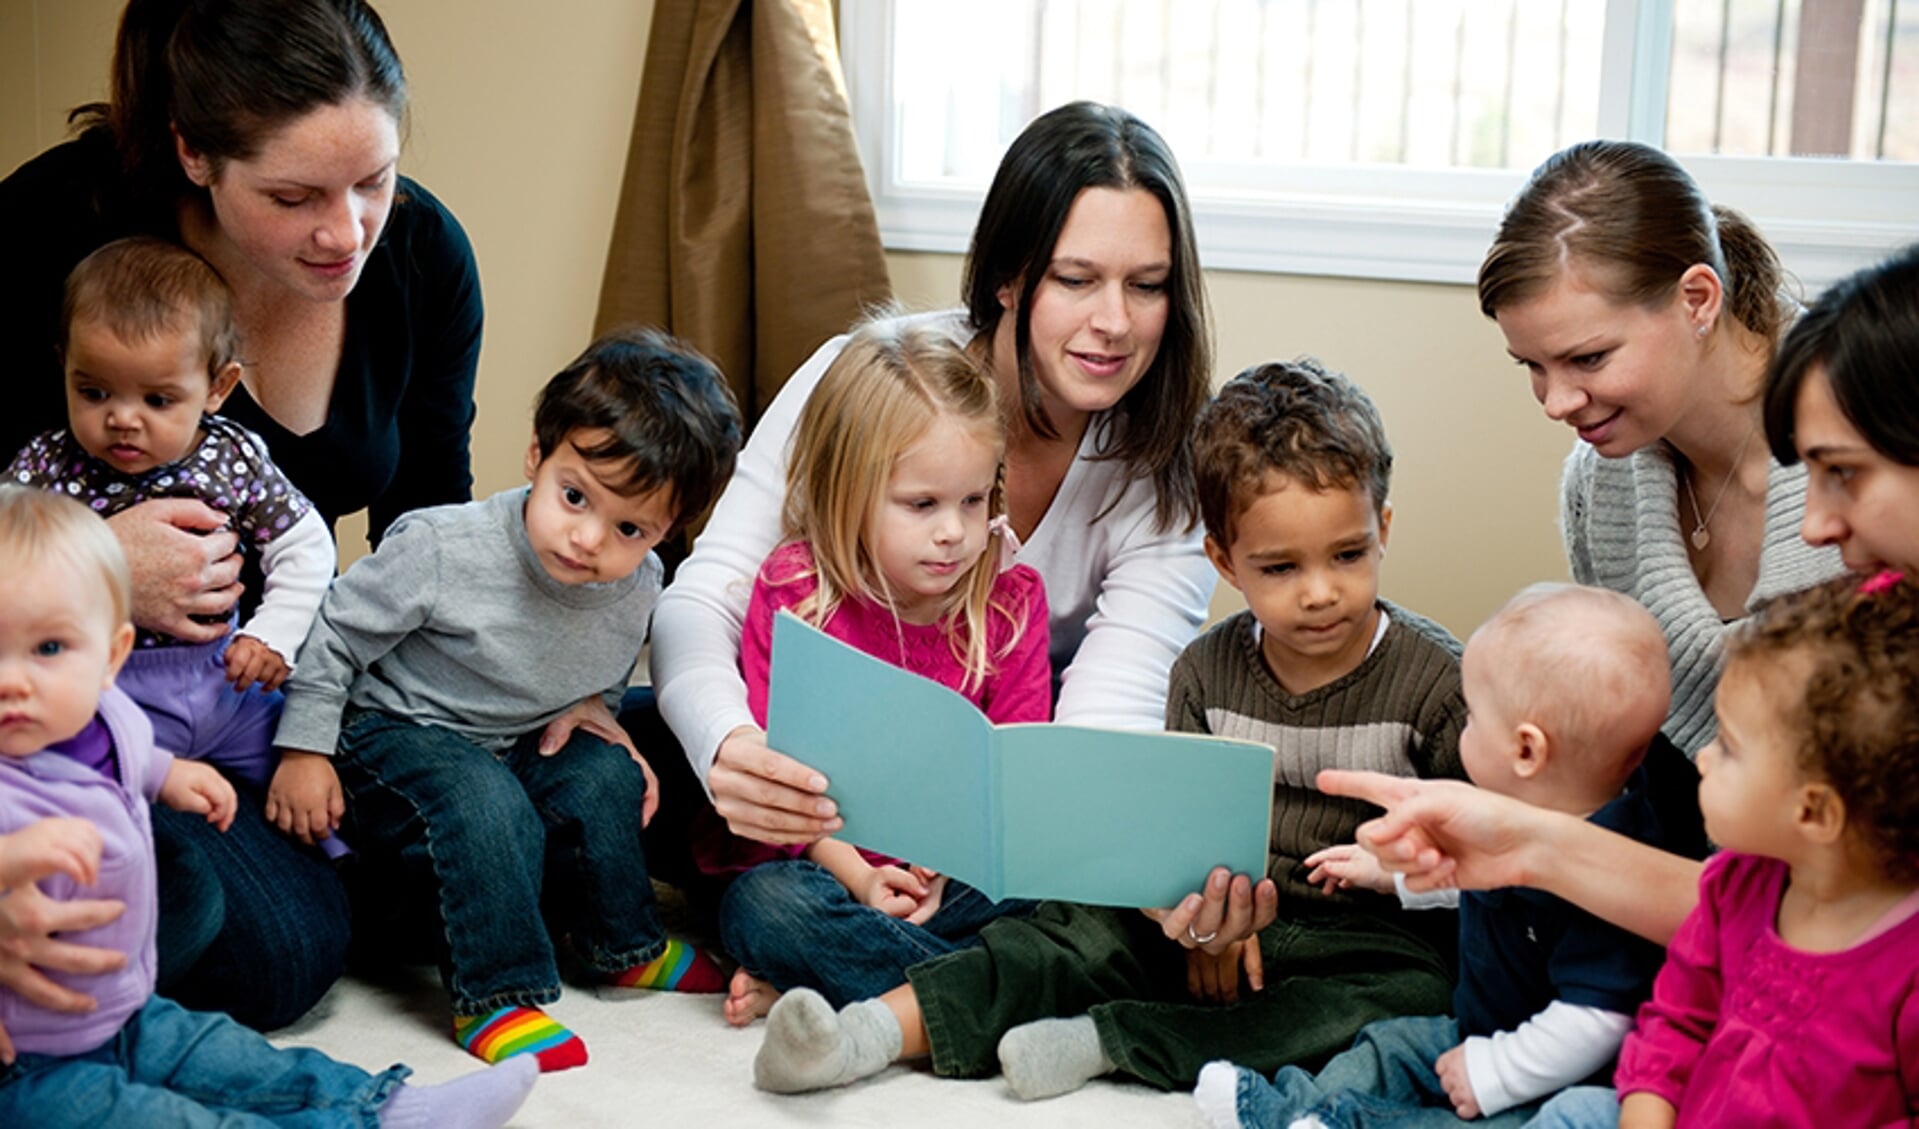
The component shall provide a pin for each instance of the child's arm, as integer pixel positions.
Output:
(298, 565)
(1646, 1111)
(1659, 1054)
(1346, 866)
(892, 890)
(367, 612)
(192, 786)
(1557, 1048)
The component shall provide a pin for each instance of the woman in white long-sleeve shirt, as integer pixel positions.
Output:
(1085, 300)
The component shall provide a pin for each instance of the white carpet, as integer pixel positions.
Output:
(663, 1059)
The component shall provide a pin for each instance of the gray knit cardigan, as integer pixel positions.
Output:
(1620, 518)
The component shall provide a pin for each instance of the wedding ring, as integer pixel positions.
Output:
(1199, 940)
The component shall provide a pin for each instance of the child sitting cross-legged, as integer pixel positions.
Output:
(1790, 995)
(72, 745)
(1292, 468)
(1566, 688)
(436, 664)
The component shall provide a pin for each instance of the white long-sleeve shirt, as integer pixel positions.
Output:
(1125, 596)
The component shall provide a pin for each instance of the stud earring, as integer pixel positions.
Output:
(1703, 330)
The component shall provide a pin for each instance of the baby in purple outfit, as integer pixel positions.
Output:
(149, 349)
(73, 749)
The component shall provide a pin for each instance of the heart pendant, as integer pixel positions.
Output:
(1701, 538)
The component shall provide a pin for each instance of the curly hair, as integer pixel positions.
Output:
(1295, 418)
(1858, 723)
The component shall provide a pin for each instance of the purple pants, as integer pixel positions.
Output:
(197, 714)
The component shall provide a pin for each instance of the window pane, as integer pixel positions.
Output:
(1829, 78)
(1419, 83)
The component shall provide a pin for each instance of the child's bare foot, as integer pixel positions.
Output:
(748, 998)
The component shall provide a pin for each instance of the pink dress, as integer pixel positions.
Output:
(1020, 688)
(1744, 1030)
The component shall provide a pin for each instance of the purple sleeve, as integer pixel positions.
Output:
(1673, 1027)
(1021, 689)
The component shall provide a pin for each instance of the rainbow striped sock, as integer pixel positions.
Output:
(517, 1031)
(681, 968)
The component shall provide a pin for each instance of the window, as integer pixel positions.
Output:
(1381, 138)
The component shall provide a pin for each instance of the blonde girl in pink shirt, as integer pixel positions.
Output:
(892, 539)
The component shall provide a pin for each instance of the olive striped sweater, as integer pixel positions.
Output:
(1400, 711)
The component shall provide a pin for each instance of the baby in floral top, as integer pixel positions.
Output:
(149, 347)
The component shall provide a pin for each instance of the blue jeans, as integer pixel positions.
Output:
(793, 925)
(502, 837)
(1385, 1081)
(251, 923)
(169, 1066)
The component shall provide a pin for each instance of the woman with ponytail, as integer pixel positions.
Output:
(1646, 318)
(265, 136)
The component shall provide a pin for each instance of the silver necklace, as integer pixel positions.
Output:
(1701, 536)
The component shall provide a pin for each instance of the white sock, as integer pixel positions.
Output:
(1217, 1095)
(1049, 1057)
(809, 1046)
(483, 1099)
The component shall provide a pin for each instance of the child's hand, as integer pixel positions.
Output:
(893, 891)
(249, 660)
(1214, 977)
(1451, 1068)
(1343, 867)
(304, 798)
(935, 883)
(66, 846)
(591, 715)
(192, 786)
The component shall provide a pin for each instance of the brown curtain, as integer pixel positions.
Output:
(744, 226)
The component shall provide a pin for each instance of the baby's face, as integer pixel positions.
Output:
(136, 405)
(59, 648)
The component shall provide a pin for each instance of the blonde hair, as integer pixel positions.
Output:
(37, 526)
(1595, 672)
(878, 397)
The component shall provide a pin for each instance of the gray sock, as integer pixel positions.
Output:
(483, 1099)
(1049, 1057)
(809, 1046)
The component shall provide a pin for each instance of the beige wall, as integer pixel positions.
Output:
(521, 114)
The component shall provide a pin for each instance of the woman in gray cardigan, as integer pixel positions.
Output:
(1646, 318)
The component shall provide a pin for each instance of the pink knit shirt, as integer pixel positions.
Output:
(1744, 1030)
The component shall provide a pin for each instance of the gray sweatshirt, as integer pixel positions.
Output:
(453, 622)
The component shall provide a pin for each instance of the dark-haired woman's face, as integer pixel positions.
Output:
(1856, 497)
(307, 209)
(1100, 310)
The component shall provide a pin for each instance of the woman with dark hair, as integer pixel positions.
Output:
(1646, 318)
(264, 135)
(1843, 396)
(1086, 304)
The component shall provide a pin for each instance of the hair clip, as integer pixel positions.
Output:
(1009, 546)
(1881, 582)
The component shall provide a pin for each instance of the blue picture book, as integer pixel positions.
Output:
(1101, 816)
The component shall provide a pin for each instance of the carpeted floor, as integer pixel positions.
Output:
(666, 1060)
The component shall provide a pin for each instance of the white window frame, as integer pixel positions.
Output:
(1824, 217)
